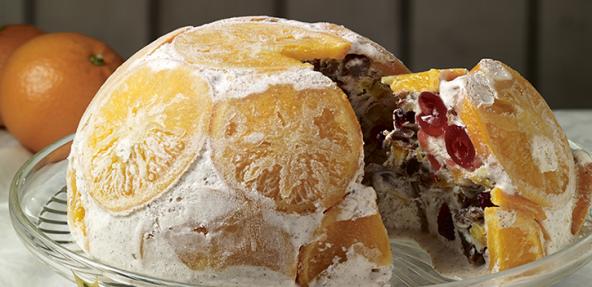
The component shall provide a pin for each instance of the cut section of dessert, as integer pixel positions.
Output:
(489, 170)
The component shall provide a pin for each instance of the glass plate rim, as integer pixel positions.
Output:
(18, 216)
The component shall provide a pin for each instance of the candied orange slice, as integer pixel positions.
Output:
(514, 201)
(583, 196)
(366, 235)
(241, 238)
(513, 238)
(428, 81)
(258, 45)
(76, 211)
(539, 165)
(144, 135)
(301, 148)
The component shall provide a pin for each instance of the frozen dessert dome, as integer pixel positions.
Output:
(220, 155)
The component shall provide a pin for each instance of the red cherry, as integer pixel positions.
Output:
(422, 139)
(434, 163)
(433, 117)
(445, 223)
(459, 146)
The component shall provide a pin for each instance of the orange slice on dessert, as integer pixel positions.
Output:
(428, 81)
(144, 136)
(301, 148)
(257, 45)
(540, 167)
(241, 238)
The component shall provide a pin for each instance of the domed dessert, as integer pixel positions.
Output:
(219, 154)
(262, 151)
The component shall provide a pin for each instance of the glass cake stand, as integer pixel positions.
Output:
(38, 214)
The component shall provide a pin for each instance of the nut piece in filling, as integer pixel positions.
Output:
(492, 173)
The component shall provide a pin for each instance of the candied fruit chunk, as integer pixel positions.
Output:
(445, 223)
(76, 211)
(514, 201)
(513, 238)
(428, 81)
(366, 235)
(477, 231)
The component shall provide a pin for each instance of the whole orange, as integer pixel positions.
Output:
(48, 82)
(12, 37)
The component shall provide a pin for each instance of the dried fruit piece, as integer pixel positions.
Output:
(434, 162)
(76, 210)
(300, 148)
(478, 233)
(403, 117)
(445, 223)
(459, 146)
(484, 199)
(144, 136)
(433, 118)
